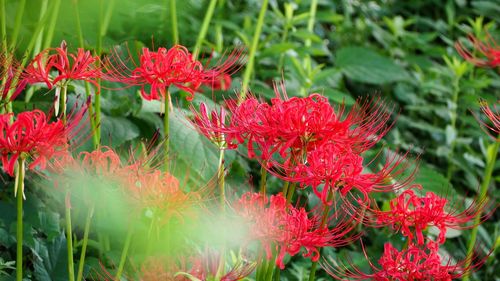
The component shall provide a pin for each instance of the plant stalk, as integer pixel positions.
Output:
(490, 165)
(253, 50)
(86, 232)
(17, 23)
(173, 17)
(326, 211)
(123, 257)
(204, 28)
(19, 192)
(166, 131)
(69, 241)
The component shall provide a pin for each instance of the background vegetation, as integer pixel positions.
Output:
(400, 50)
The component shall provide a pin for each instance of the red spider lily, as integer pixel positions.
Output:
(412, 214)
(176, 66)
(335, 167)
(492, 113)
(10, 70)
(56, 67)
(30, 135)
(279, 226)
(213, 126)
(488, 48)
(293, 126)
(417, 263)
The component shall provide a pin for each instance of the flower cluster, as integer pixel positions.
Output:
(412, 214)
(282, 228)
(416, 263)
(158, 70)
(308, 141)
(31, 136)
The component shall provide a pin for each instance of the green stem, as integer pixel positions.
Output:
(219, 36)
(17, 23)
(326, 211)
(173, 17)
(166, 131)
(291, 191)
(78, 24)
(52, 24)
(490, 165)
(103, 28)
(64, 93)
(204, 28)
(263, 180)
(123, 257)
(19, 192)
(69, 242)
(453, 124)
(38, 47)
(3, 26)
(253, 50)
(86, 232)
(286, 28)
(221, 179)
(307, 43)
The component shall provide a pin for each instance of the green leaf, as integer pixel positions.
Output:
(117, 130)
(192, 148)
(51, 260)
(365, 65)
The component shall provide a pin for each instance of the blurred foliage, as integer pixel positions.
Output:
(401, 51)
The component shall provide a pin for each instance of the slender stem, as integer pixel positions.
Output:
(453, 124)
(284, 35)
(103, 28)
(221, 179)
(263, 180)
(78, 24)
(3, 26)
(307, 43)
(69, 242)
(490, 165)
(326, 211)
(166, 131)
(204, 28)
(291, 191)
(17, 23)
(219, 36)
(173, 17)
(86, 232)
(253, 50)
(64, 93)
(285, 188)
(38, 47)
(81, 43)
(124, 254)
(52, 25)
(19, 192)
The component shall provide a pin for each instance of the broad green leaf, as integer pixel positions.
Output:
(365, 65)
(200, 156)
(117, 130)
(51, 261)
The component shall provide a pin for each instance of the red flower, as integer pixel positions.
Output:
(31, 136)
(417, 263)
(278, 225)
(308, 141)
(488, 48)
(412, 214)
(176, 66)
(55, 67)
(213, 126)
